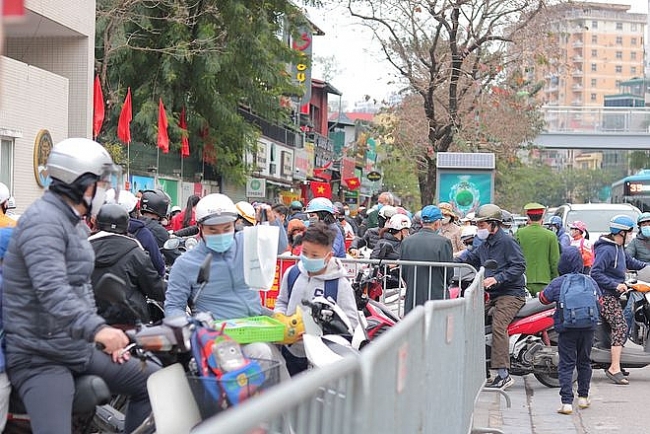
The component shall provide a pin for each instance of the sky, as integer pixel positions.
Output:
(359, 67)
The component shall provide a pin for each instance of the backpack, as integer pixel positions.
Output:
(331, 286)
(578, 302)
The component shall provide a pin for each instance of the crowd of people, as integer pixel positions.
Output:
(81, 229)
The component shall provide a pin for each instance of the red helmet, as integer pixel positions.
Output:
(581, 226)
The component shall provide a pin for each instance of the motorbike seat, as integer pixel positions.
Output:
(532, 307)
(90, 391)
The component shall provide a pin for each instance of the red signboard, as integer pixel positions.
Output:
(13, 8)
(269, 297)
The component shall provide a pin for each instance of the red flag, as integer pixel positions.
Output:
(320, 189)
(124, 124)
(352, 183)
(163, 137)
(98, 107)
(13, 8)
(185, 141)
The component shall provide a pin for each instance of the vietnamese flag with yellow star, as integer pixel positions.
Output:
(352, 183)
(321, 189)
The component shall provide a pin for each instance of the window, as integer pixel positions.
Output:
(619, 54)
(633, 27)
(594, 39)
(633, 41)
(7, 162)
(593, 97)
(619, 69)
(594, 53)
(594, 82)
(594, 24)
(633, 55)
(619, 26)
(617, 83)
(619, 40)
(594, 67)
(632, 69)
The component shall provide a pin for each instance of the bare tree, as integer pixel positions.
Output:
(450, 53)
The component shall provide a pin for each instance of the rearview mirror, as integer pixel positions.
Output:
(491, 264)
(204, 270)
(110, 289)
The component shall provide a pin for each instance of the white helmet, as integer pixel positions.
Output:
(387, 211)
(246, 210)
(127, 200)
(72, 158)
(468, 232)
(5, 194)
(398, 222)
(215, 209)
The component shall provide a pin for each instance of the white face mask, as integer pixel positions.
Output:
(483, 233)
(446, 220)
(95, 203)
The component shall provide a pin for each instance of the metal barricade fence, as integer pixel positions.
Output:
(422, 376)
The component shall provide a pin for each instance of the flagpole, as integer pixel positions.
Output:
(155, 181)
(181, 170)
(128, 162)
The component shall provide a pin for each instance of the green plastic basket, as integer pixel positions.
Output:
(253, 329)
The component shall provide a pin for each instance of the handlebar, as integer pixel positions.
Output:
(187, 232)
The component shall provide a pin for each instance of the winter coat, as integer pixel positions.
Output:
(48, 304)
(610, 264)
(570, 263)
(124, 257)
(307, 287)
(425, 283)
(510, 260)
(639, 248)
(177, 220)
(161, 235)
(452, 232)
(390, 240)
(148, 242)
(541, 250)
(369, 239)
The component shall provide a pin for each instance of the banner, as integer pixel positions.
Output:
(269, 297)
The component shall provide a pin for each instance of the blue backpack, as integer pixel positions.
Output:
(578, 302)
(331, 286)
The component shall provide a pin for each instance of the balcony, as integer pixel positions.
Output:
(578, 59)
(273, 131)
(577, 44)
(577, 73)
(576, 87)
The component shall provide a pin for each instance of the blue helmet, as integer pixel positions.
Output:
(555, 220)
(320, 204)
(643, 218)
(620, 223)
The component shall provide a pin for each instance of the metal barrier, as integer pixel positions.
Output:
(422, 375)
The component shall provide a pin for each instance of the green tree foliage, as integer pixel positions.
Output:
(212, 57)
(639, 160)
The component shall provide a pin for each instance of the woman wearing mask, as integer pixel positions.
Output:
(580, 239)
(450, 229)
(639, 247)
(395, 230)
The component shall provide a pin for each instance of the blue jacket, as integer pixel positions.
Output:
(339, 242)
(610, 264)
(511, 264)
(570, 263)
(148, 242)
(226, 295)
(563, 238)
(48, 304)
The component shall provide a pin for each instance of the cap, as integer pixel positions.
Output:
(446, 209)
(534, 208)
(430, 214)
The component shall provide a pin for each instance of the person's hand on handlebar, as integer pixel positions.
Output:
(111, 339)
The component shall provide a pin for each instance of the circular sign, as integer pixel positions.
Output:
(255, 184)
(42, 147)
(373, 176)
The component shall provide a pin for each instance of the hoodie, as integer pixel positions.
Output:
(308, 287)
(610, 264)
(570, 263)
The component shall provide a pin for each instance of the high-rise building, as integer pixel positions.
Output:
(601, 45)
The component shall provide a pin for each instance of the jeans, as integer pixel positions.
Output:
(574, 348)
(47, 390)
(505, 309)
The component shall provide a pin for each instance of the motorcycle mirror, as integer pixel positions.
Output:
(190, 243)
(204, 270)
(110, 288)
(171, 244)
(490, 264)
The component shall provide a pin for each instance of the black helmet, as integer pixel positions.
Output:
(113, 218)
(155, 202)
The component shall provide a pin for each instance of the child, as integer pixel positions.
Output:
(5, 387)
(317, 266)
(574, 344)
(580, 239)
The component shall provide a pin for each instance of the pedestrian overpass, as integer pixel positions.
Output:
(625, 128)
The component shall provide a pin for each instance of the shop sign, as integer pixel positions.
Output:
(256, 187)
(373, 176)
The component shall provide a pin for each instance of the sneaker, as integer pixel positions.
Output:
(565, 409)
(501, 383)
(584, 401)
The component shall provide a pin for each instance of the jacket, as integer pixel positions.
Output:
(570, 263)
(452, 232)
(610, 264)
(425, 283)
(161, 235)
(48, 305)
(148, 242)
(226, 295)
(339, 241)
(541, 250)
(511, 264)
(124, 257)
(177, 220)
(369, 239)
(639, 248)
(390, 240)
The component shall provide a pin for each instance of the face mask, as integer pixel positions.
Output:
(446, 220)
(482, 234)
(380, 206)
(313, 220)
(628, 238)
(347, 212)
(164, 222)
(219, 242)
(645, 231)
(95, 203)
(312, 265)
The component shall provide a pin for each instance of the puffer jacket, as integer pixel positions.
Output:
(48, 304)
(124, 257)
(610, 264)
(390, 240)
(639, 248)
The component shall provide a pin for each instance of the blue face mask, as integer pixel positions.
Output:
(312, 265)
(645, 231)
(219, 242)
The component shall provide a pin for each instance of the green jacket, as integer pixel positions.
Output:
(542, 252)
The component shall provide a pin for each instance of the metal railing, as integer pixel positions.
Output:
(596, 119)
(422, 376)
